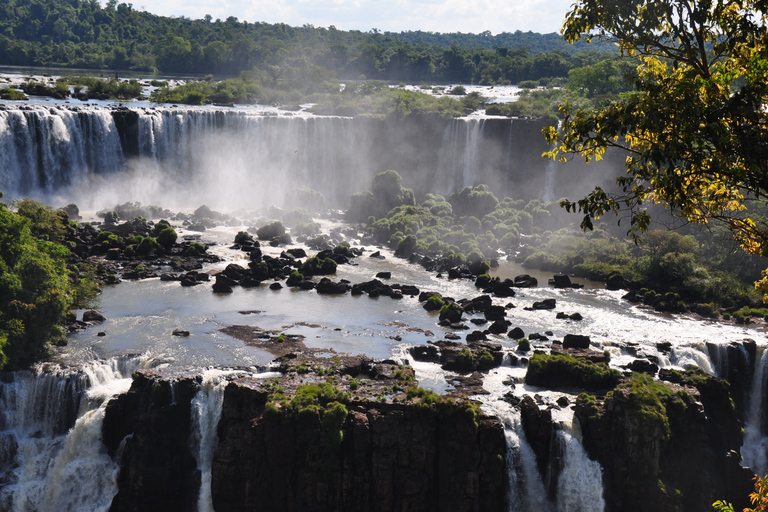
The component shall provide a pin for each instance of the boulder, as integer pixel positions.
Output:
(576, 341)
(476, 336)
(498, 327)
(516, 333)
(494, 313)
(93, 316)
(526, 281)
(384, 275)
(545, 304)
(328, 287)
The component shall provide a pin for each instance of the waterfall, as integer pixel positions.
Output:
(43, 149)
(51, 453)
(206, 413)
(580, 484)
(526, 489)
(551, 173)
(754, 451)
(460, 152)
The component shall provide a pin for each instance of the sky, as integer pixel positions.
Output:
(475, 16)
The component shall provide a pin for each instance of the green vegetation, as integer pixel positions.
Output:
(669, 267)
(12, 94)
(84, 34)
(713, 85)
(36, 288)
(110, 87)
(563, 370)
(315, 266)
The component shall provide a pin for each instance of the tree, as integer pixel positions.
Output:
(695, 132)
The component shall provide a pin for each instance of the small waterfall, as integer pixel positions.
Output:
(460, 151)
(551, 174)
(206, 413)
(51, 454)
(754, 451)
(580, 484)
(526, 489)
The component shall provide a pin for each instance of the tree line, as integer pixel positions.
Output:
(83, 34)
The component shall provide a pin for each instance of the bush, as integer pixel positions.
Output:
(167, 237)
(271, 230)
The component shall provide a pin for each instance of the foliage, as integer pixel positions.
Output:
(271, 230)
(315, 266)
(35, 289)
(693, 134)
(563, 370)
(386, 193)
(759, 498)
(111, 87)
(12, 94)
(89, 34)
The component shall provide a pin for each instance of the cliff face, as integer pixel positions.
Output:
(665, 447)
(390, 457)
(384, 457)
(157, 468)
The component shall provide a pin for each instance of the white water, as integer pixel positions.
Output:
(206, 412)
(459, 161)
(754, 452)
(580, 484)
(47, 464)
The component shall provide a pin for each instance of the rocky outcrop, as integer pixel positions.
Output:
(378, 457)
(158, 471)
(389, 457)
(666, 447)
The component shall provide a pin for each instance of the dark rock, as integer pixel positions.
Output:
(384, 275)
(545, 304)
(476, 336)
(563, 401)
(526, 281)
(643, 366)
(516, 333)
(615, 281)
(328, 287)
(498, 327)
(494, 313)
(534, 336)
(561, 281)
(101, 334)
(538, 428)
(93, 317)
(179, 332)
(275, 286)
(576, 341)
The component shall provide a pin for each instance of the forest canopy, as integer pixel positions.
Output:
(83, 34)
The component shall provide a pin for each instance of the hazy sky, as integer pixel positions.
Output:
(474, 16)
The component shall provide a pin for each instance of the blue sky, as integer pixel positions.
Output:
(474, 16)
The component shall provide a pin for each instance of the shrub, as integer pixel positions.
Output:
(167, 237)
(271, 230)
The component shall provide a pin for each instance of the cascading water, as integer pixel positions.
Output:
(754, 451)
(43, 149)
(459, 155)
(526, 489)
(51, 454)
(206, 413)
(580, 483)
